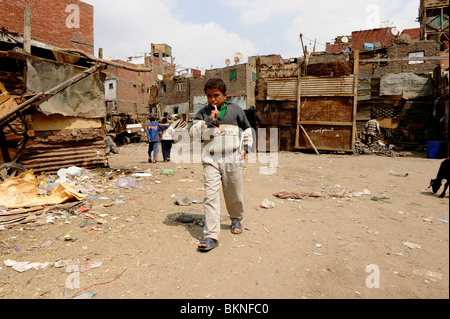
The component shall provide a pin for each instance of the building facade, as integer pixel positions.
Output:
(67, 24)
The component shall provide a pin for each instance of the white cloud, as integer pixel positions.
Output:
(127, 28)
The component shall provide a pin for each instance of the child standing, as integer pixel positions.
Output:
(227, 137)
(167, 140)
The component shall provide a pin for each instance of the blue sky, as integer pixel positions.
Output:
(204, 33)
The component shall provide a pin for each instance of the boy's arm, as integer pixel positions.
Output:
(247, 136)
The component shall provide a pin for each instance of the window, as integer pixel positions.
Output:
(111, 86)
(180, 87)
(233, 75)
(164, 89)
(254, 77)
(419, 54)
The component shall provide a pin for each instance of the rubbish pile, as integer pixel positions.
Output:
(378, 148)
(27, 198)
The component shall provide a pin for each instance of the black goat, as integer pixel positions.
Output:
(443, 173)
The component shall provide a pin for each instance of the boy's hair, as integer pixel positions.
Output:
(216, 84)
(152, 119)
(164, 120)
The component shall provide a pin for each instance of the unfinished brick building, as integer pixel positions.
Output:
(67, 24)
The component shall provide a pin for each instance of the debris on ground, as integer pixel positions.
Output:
(378, 148)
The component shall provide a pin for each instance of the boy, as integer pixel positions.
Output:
(220, 125)
(153, 129)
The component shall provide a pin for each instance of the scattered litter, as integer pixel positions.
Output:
(412, 246)
(434, 276)
(168, 172)
(127, 182)
(295, 195)
(186, 218)
(86, 295)
(142, 175)
(442, 220)
(26, 265)
(182, 200)
(102, 283)
(267, 204)
(398, 174)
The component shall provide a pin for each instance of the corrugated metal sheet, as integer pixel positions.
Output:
(282, 89)
(410, 85)
(51, 158)
(321, 86)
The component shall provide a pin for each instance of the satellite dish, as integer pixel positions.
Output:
(344, 40)
(238, 57)
(160, 77)
(227, 62)
(394, 31)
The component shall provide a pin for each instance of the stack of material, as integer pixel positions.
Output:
(378, 148)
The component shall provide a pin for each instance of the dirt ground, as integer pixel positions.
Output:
(370, 235)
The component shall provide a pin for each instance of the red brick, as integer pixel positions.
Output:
(48, 22)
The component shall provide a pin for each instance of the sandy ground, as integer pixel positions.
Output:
(372, 235)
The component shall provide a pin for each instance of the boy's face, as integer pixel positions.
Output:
(215, 97)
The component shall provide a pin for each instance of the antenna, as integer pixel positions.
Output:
(238, 57)
(394, 31)
(160, 77)
(344, 39)
(227, 62)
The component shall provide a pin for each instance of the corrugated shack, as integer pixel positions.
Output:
(398, 86)
(312, 101)
(66, 130)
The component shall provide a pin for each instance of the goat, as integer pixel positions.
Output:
(443, 173)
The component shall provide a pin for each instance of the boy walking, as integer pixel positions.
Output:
(153, 129)
(227, 137)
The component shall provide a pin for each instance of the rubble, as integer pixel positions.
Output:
(378, 148)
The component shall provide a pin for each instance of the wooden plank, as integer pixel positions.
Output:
(355, 99)
(4, 97)
(309, 139)
(325, 123)
(299, 108)
(27, 30)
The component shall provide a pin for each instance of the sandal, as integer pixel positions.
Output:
(211, 244)
(235, 225)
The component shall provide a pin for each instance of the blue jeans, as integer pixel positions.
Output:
(153, 147)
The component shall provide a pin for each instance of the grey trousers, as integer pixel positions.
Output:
(229, 176)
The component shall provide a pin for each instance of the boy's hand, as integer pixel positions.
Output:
(215, 115)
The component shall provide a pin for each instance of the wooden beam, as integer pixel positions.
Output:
(27, 30)
(299, 106)
(356, 61)
(309, 139)
(430, 58)
(326, 123)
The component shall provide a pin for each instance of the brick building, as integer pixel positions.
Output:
(185, 94)
(67, 24)
(128, 91)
